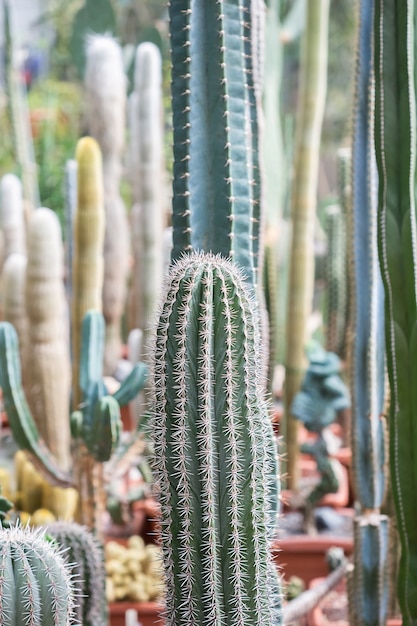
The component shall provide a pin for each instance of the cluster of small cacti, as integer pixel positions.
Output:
(134, 571)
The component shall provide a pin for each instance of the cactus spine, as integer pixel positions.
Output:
(49, 374)
(88, 247)
(105, 84)
(147, 158)
(35, 583)
(395, 147)
(300, 294)
(84, 554)
(215, 456)
(213, 206)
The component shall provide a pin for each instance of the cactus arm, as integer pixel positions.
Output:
(132, 384)
(92, 354)
(20, 419)
(212, 205)
(106, 427)
(395, 140)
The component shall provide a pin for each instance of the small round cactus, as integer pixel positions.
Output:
(36, 587)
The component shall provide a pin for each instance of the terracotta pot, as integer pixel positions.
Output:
(304, 555)
(149, 613)
(333, 609)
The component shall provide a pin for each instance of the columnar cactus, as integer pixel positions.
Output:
(215, 456)
(213, 208)
(87, 267)
(395, 142)
(301, 277)
(336, 309)
(105, 85)
(71, 170)
(147, 217)
(13, 288)
(84, 555)
(36, 587)
(49, 374)
(12, 219)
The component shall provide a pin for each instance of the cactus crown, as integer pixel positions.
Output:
(215, 456)
(36, 587)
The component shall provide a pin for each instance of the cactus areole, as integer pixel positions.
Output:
(216, 461)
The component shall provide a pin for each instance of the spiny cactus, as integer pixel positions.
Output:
(12, 219)
(36, 587)
(71, 169)
(147, 217)
(213, 207)
(215, 456)
(84, 555)
(87, 272)
(13, 288)
(394, 48)
(105, 85)
(49, 374)
(301, 273)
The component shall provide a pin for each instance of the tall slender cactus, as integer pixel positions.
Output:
(310, 116)
(215, 455)
(13, 287)
(395, 142)
(105, 85)
(12, 219)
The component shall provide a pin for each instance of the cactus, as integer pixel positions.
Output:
(12, 219)
(71, 171)
(215, 456)
(213, 206)
(36, 587)
(84, 554)
(49, 375)
(301, 273)
(147, 217)
(94, 16)
(105, 85)
(336, 309)
(13, 287)
(87, 272)
(395, 148)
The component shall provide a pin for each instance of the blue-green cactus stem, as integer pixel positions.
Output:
(336, 318)
(20, 418)
(395, 143)
(215, 457)
(213, 200)
(36, 587)
(84, 554)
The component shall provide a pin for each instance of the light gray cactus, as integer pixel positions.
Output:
(13, 288)
(105, 85)
(12, 219)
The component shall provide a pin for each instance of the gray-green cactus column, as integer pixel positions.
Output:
(300, 295)
(215, 455)
(395, 142)
(368, 582)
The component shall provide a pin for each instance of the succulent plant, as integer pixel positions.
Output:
(13, 287)
(215, 455)
(36, 586)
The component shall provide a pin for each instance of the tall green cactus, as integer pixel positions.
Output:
(215, 456)
(105, 86)
(84, 554)
(49, 375)
(147, 219)
(300, 288)
(395, 143)
(36, 588)
(213, 207)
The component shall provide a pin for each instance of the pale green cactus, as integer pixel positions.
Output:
(12, 219)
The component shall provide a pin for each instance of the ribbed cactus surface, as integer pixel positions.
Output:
(85, 557)
(36, 587)
(213, 208)
(216, 460)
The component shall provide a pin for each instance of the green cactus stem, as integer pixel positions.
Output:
(215, 456)
(84, 555)
(300, 288)
(36, 587)
(395, 146)
(105, 86)
(49, 374)
(213, 208)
